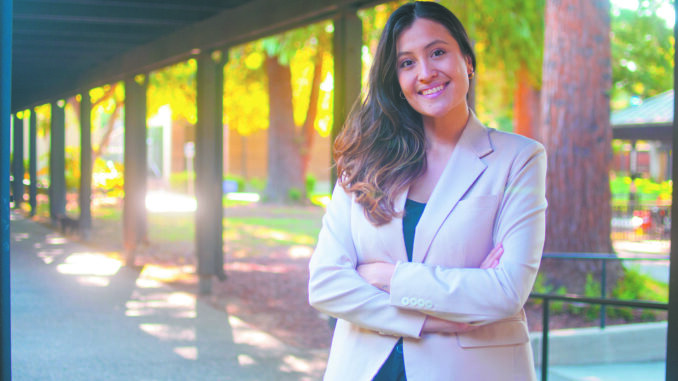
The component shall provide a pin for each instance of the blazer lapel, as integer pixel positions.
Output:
(462, 170)
(391, 234)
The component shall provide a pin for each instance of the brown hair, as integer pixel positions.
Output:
(382, 148)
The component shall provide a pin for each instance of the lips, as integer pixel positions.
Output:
(433, 90)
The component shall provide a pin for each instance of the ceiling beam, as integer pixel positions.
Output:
(251, 21)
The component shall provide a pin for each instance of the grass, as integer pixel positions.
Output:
(245, 227)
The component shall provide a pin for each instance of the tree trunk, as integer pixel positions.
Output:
(308, 130)
(577, 135)
(526, 106)
(285, 179)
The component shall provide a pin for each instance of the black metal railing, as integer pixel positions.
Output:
(602, 301)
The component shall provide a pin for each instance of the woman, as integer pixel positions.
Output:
(432, 240)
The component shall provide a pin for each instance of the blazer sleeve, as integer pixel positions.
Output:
(481, 296)
(335, 287)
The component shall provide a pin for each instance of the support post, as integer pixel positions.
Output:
(33, 162)
(134, 205)
(5, 110)
(209, 169)
(18, 162)
(85, 196)
(57, 162)
(347, 70)
(672, 335)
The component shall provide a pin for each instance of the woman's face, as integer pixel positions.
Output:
(432, 72)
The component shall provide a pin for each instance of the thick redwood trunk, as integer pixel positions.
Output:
(526, 106)
(285, 179)
(576, 131)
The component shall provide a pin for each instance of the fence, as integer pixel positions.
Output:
(633, 221)
(602, 301)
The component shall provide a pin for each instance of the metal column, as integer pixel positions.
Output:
(18, 162)
(209, 169)
(672, 336)
(85, 196)
(348, 40)
(33, 162)
(57, 162)
(134, 208)
(5, 110)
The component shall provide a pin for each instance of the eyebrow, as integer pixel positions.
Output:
(425, 47)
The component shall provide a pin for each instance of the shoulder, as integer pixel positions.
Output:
(503, 140)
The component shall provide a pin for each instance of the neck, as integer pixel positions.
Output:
(446, 131)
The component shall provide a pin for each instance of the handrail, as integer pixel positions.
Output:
(580, 299)
(602, 301)
(605, 256)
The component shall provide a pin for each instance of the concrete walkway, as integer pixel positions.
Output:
(80, 315)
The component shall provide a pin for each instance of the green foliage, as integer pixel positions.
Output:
(178, 181)
(238, 180)
(108, 177)
(72, 166)
(636, 286)
(174, 86)
(246, 80)
(642, 53)
(542, 286)
(294, 194)
(592, 290)
(257, 184)
(646, 189)
(632, 286)
(310, 183)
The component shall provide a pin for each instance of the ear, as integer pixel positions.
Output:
(469, 65)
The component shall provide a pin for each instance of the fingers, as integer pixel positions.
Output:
(492, 259)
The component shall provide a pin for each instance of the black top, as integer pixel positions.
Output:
(393, 368)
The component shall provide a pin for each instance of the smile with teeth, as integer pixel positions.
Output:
(433, 90)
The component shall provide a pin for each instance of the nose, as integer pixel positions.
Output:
(427, 72)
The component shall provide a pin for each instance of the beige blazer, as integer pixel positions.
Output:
(491, 191)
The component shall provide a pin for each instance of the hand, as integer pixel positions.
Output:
(492, 259)
(434, 325)
(378, 274)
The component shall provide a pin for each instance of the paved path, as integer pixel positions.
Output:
(80, 315)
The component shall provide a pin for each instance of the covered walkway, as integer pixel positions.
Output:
(81, 315)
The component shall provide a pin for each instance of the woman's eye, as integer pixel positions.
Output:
(406, 63)
(438, 52)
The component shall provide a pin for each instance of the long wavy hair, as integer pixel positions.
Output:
(382, 148)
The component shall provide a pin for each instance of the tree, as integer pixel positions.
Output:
(280, 77)
(642, 53)
(576, 133)
(289, 144)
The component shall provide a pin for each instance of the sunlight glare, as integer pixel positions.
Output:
(244, 360)
(246, 335)
(243, 196)
(89, 264)
(96, 281)
(148, 283)
(295, 364)
(300, 251)
(189, 353)
(54, 239)
(167, 332)
(161, 201)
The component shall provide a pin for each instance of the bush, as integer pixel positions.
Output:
(257, 185)
(238, 180)
(310, 184)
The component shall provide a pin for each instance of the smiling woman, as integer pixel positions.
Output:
(432, 239)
